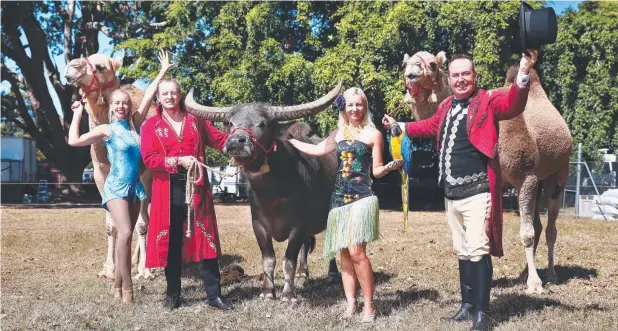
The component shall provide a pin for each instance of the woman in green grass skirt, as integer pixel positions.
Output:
(353, 220)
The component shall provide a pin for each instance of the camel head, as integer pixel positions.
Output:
(425, 82)
(96, 77)
(82, 72)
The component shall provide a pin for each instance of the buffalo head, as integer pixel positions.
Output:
(254, 126)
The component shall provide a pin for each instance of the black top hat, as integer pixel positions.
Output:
(537, 27)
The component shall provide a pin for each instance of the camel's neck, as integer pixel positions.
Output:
(99, 113)
(427, 105)
(97, 103)
(423, 109)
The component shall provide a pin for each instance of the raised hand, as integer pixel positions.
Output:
(77, 107)
(528, 61)
(164, 60)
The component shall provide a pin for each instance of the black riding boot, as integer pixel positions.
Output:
(482, 288)
(212, 285)
(173, 270)
(467, 295)
(172, 293)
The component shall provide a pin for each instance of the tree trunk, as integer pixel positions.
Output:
(40, 118)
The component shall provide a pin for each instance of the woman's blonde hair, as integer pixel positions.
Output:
(129, 116)
(343, 117)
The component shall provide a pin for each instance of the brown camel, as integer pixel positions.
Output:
(534, 151)
(96, 76)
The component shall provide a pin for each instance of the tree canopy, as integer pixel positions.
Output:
(293, 52)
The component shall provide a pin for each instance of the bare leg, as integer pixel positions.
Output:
(98, 152)
(117, 274)
(125, 216)
(348, 276)
(364, 274)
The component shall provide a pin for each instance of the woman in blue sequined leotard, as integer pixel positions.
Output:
(124, 157)
(353, 217)
(123, 190)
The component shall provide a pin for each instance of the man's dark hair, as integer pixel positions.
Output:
(459, 57)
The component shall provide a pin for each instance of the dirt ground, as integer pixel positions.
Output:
(50, 259)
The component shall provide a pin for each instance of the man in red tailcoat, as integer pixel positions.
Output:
(466, 129)
(170, 142)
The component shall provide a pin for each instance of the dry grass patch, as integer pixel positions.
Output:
(50, 258)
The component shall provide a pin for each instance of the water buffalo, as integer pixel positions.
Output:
(289, 192)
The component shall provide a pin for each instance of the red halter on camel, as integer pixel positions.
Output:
(414, 90)
(95, 82)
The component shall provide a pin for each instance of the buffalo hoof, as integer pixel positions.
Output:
(523, 275)
(535, 285)
(301, 279)
(269, 296)
(552, 278)
(333, 278)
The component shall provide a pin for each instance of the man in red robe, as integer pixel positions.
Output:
(170, 142)
(466, 129)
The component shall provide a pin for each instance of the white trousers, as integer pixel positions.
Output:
(468, 219)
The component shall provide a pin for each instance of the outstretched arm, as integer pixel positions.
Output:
(142, 110)
(427, 128)
(327, 145)
(508, 106)
(97, 134)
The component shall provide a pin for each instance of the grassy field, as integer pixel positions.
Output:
(50, 258)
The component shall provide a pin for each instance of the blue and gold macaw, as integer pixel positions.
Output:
(400, 146)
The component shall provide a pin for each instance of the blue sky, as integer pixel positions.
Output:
(107, 49)
(561, 6)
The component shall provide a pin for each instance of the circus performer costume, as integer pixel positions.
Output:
(124, 158)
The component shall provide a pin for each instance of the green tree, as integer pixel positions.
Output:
(32, 34)
(579, 73)
(293, 52)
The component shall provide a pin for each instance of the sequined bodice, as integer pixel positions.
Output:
(353, 176)
(123, 153)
